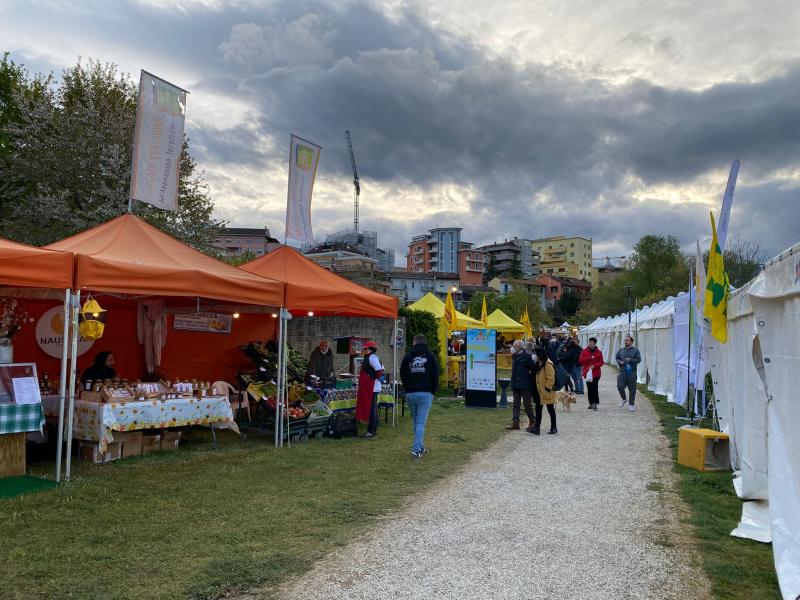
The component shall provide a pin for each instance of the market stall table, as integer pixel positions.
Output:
(16, 420)
(96, 421)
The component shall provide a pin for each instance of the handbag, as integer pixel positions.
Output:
(589, 375)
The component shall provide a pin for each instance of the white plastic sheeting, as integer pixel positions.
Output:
(755, 522)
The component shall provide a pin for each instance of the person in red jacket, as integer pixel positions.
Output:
(592, 358)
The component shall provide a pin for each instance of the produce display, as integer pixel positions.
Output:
(265, 358)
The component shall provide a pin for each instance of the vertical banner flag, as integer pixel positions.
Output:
(727, 203)
(450, 312)
(157, 142)
(484, 313)
(303, 159)
(717, 289)
(680, 339)
(700, 350)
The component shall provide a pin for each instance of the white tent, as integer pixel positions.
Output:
(758, 370)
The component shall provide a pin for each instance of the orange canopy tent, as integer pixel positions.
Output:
(27, 266)
(128, 256)
(310, 287)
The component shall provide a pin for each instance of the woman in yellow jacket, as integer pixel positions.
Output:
(545, 382)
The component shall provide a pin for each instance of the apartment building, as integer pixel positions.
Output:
(235, 241)
(441, 250)
(566, 257)
(506, 256)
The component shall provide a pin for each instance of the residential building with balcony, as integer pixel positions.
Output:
(554, 286)
(505, 256)
(410, 286)
(441, 250)
(566, 257)
(235, 241)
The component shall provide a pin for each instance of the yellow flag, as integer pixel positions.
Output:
(526, 322)
(484, 313)
(717, 289)
(450, 312)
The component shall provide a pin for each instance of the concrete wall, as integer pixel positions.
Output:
(305, 334)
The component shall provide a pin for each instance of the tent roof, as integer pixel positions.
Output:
(430, 303)
(128, 256)
(502, 322)
(27, 266)
(310, 287)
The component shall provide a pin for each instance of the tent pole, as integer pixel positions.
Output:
(76, 302)
(286, 387)
(394, 374)
(62, 385)
(278, 372)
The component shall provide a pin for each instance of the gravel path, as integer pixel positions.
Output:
(585, 514)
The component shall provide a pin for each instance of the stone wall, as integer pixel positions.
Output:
(305, 334)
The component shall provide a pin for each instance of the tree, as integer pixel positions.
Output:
(240, 259)
(566, 307)
(744, 259)
(515, 272)
(420, 321)
(513, 304)
(491, 270)
(68, 167)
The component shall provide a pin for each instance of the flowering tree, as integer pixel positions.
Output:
(66, 158)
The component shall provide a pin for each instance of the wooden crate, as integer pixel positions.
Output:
(12, 454)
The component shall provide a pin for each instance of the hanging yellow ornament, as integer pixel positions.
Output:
(92, 320)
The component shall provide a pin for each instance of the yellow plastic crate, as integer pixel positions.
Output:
(703, 449)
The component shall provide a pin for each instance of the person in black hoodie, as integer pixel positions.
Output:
(522, 371)
(419, 373)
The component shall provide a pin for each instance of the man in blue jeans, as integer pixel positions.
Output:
(419, 373)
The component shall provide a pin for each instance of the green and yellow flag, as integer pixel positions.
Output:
(484, 313)
(717, 289)
(525, 321)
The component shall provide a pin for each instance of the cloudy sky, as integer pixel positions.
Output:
(607, 120)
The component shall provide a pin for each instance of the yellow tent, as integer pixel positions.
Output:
(503, 323)
(430, 303)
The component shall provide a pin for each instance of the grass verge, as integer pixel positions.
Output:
(200, 522)
(737, 569)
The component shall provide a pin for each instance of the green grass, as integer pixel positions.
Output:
(737, 569)
(199, 522)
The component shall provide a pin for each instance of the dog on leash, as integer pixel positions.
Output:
(566, 398)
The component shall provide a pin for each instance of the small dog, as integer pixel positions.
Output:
(566, 398)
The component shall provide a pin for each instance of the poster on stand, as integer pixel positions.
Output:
(481, 376)
(206, 322)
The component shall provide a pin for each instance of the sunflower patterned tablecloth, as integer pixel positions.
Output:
(96, 421)
(346, 399)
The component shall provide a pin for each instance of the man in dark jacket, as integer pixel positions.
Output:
(568, 355)
(522, 371)
(320, 363)
(628, 357)
(419, 373)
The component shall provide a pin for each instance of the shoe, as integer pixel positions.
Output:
(622, 403)
(594, 406)
(631, 408)
(534, 431)
(368, 435)
(418, 454)
(590, 407)
(553, 430)
(512, 427)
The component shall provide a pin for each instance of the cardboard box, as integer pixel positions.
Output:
(91, 451)
(151, 442)
(131, 442)
(703, 449)
(170, 440)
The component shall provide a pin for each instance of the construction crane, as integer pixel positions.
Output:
(356, 182)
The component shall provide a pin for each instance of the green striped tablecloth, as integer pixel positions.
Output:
(18, 418)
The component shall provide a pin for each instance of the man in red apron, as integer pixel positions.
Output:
(369, 386)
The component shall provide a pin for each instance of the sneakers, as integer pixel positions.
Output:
(631, 408)
(368, 435)
(419, 453)
(594, 406)
(513, 426)
(622, 403)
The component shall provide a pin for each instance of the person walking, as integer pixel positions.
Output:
(522, 370)
(591, 360)
(369, 386)
(575, 370)
(567, 356)
(545, 381)
(628, 357)
(419, 373)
